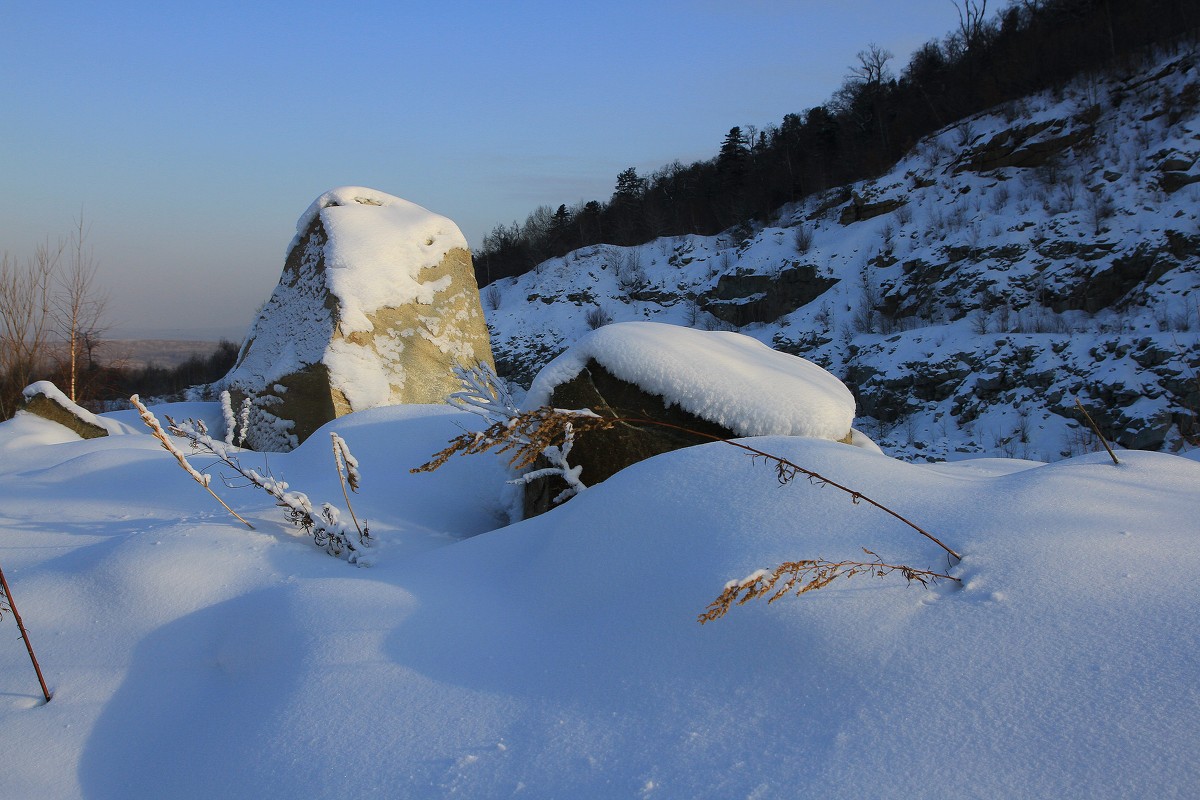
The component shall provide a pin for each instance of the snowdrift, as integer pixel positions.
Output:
(561, 657)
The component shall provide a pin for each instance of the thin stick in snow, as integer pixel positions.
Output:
(342, 459)
(12, 606)
(1096, 430)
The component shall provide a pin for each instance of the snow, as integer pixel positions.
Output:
(378, 244)
(375, 251)
(561, 657)
(53, 393)
(723, 377)
(967, 252)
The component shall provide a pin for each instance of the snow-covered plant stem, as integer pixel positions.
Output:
(344, 461)
(486, 395)
(532, 433)
(325, 526)
(235, 426)
(244, 421)
(8, 604)
(201, 478)
(228, 417)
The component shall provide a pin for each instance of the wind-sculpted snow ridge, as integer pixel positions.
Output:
(1039, 251)
(723, 377)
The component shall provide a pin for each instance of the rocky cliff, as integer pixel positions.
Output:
(1044, 251)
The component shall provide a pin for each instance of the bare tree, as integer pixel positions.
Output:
(26, 319)
(970, 20)
(866, 80)
(78, 306)
(872, 68)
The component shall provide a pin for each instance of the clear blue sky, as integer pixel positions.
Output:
(193, 135)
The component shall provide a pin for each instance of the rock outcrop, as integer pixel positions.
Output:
(376, 303)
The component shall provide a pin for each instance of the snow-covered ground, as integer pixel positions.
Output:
(561, 657)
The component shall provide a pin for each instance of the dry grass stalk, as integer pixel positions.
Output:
(808, 575)
(525, 435)
(1096, 430)
(203, 479)
(528, 435)
(8, 604)
(324, 526)
(346, 463)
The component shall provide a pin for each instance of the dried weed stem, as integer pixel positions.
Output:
(201, 478)
(345, 462)
(8, 604)
(808, 575)
(1096, 430)
(529, 434)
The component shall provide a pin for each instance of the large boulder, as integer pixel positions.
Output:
(717, 383)
(44, 399)
(376, 304)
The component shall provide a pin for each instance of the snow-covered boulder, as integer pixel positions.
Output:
(376, 303)
(44, 399)
(718, 383)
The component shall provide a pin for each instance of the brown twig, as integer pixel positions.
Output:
(808, 575)
(529, 433)
(1096, 430)
(786, 471)
(12, 606)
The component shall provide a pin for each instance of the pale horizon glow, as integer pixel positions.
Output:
(191, 140)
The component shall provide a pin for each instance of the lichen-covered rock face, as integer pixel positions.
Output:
(376, 304)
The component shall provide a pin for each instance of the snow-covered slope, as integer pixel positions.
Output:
(1046, 250)
(561, 657)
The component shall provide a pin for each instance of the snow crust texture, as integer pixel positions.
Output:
(726, 378)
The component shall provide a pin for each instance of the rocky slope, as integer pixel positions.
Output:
(1044, 251)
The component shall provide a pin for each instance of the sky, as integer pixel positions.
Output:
(191, 136)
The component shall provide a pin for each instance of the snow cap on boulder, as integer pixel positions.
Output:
(725, 378)
(376, 303)
(699, 385)
(44, 399)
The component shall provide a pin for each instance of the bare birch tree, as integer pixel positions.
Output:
(78, 305)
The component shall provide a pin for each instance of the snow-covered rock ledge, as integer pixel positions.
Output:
(726, 378)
